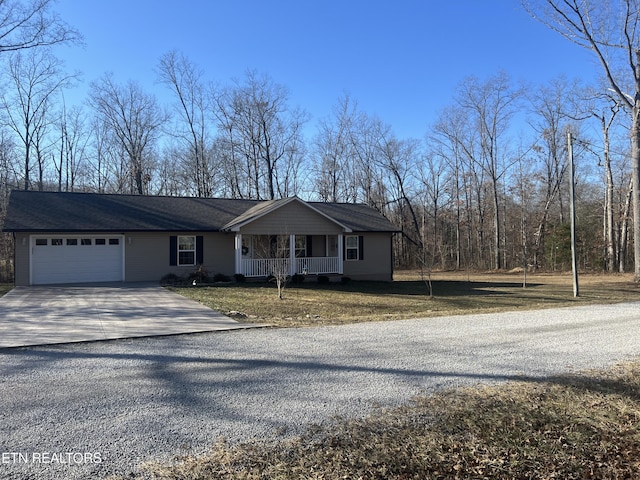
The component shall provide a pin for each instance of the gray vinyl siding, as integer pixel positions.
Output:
(377, 263)
(21, 261)
(147, 255)
(294, 218)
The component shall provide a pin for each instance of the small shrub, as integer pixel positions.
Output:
(221, 277)
(345, 280)
(323, 280)
(199, 275)
(240, 278)
(297, 279)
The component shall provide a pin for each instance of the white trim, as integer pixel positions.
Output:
(195, 251)
(238, 253)
(347, 248)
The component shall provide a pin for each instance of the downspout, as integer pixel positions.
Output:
(13, 234)
(391, 256)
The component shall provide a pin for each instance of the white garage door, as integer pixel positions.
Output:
(76, 259)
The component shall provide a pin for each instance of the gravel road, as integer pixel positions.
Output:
(93, 409)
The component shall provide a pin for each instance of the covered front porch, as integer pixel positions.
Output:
(266, 255)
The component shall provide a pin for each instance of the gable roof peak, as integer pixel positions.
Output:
(268, 206)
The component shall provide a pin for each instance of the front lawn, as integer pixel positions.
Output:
(453, 293)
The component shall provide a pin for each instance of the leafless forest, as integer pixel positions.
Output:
(486, 187)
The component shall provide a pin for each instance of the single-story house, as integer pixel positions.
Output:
(65, 237)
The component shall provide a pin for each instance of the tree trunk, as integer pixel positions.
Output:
(624, 231)
(608, 206)
(635, 170)
(497, 258)
(635, 193)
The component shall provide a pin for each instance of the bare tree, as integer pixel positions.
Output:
(606, 120)
(261, 132)
(8, 181)
(550, 120)
(610, 29)
(135, 119)
(36, 77)
(398, 163)
(185, 80)
(31, 24)
(334, 151)
(448, 136)
(433, 177)
(103, 158)
(491, 106)
(72, 145)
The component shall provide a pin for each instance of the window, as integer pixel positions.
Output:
(101, 241)
(332, 246)
(41, 241)
(114, 241)
(85, 241)
(72, 241)
(352, 250)
(270, 246)
(56, 241)
(301, 246)
(186, 250)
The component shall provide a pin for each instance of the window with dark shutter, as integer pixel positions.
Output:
(309, 244)
(173, 250)
(199, 250)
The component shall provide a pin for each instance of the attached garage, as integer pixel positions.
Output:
(76, 259)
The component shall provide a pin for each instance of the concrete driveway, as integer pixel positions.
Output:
(61, 314)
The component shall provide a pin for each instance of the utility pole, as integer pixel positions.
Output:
(572, 203)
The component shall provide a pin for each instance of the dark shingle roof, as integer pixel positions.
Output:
(30, 211)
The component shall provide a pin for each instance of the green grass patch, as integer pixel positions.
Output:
(311, 304)
(571, 427)
(5, 287)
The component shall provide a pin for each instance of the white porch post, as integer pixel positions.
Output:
(292, 255)
(238, 252)
(340, 255)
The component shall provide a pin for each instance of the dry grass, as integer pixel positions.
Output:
(575, 427)
(311, 304)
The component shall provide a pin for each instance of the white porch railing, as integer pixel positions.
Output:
(317, 265)
(263, 267)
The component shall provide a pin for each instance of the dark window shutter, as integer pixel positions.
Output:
(309, 242)
(173, 250)
(361, 247)
(199, 250)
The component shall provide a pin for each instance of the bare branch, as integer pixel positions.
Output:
(31, 25)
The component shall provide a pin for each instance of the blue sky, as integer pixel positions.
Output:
(401, 60)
